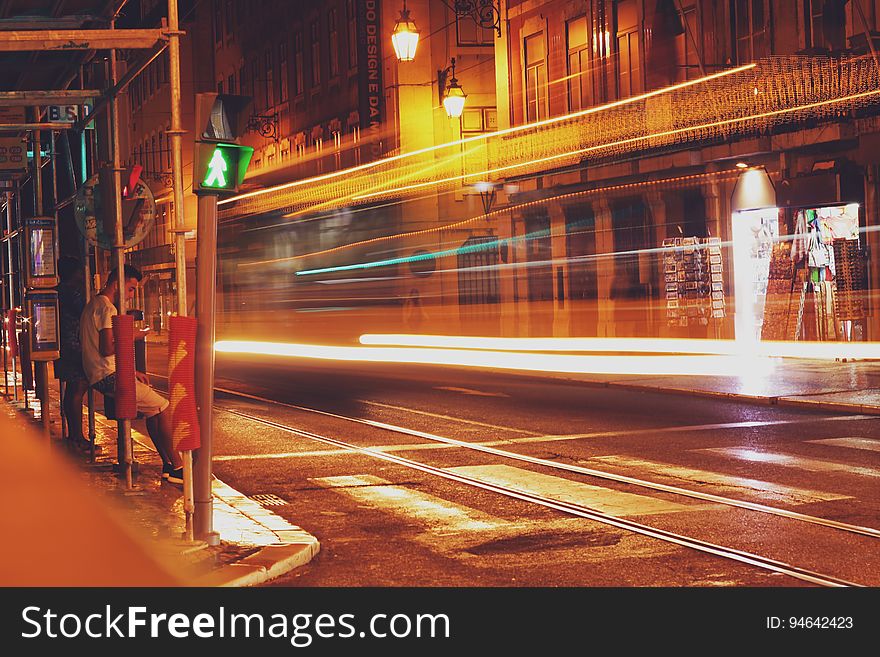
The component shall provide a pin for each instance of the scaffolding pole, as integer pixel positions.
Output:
(176, 133)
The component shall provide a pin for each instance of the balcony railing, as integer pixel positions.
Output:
(775, 94)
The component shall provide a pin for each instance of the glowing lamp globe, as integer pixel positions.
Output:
(405, 37)
(453, 101)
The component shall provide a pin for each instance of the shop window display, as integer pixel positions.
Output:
(816, 279)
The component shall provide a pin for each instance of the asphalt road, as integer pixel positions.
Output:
(381, 523)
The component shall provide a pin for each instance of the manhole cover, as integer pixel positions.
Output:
(269, 500)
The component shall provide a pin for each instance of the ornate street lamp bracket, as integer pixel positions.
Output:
(484, 13)
(266, 125)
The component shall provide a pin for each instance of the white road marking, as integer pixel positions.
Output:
(443, 417)
(871, 444)
(436, 513)
(606, 500)
(470, 391)
(769, 492)
(789, 461)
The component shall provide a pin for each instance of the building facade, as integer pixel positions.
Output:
(598, 137)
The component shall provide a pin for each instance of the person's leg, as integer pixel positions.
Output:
(156, 409)
(74, 391)
(164, 422)
(155, 436)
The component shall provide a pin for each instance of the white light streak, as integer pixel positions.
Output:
(812, 350)
(664, 365)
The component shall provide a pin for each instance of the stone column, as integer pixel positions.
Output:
(605, 267)
(561, 295)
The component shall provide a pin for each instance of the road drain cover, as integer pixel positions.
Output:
(268, 500)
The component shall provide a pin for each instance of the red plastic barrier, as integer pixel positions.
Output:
(126, 393)
(11, 335)
(181, 382)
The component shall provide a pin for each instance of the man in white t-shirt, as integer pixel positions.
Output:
(99, 363)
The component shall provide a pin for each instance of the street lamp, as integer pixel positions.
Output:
(405, 36)
(453, 95)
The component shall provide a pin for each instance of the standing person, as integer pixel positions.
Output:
(69, 366)
(99, 362)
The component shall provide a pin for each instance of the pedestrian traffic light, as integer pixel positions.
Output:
(220, 167)
(220, 162)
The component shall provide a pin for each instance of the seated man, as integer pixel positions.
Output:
(99, 362)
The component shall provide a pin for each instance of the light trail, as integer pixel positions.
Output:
(721, 175)
(621, 142)
(664, 365)
(811, 350)
(483, 136)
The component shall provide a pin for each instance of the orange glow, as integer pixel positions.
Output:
(527, 126)
(621, 142)
(810, 350)
(572, 195)
(667, 365)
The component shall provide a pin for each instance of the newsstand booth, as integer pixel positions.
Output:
(799, 272)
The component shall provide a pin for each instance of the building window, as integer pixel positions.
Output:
(242, 82)
(269, 80)
(750, 30)
(469, 33)
(230, 18)
(536, 78)
(316, 53)
(685, 48)
(629, 75)
(256, 85)
(579, 76)
(218, 21)
(351, 14)
(283, 72)
(825, 24)
(298, 81)
(334, 43)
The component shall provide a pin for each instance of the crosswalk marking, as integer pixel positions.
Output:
(790, 461)
(471, 391)
(437, 513)
(855, 443)
(769, 492)
(606, 500)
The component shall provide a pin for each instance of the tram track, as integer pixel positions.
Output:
(589, 472)
(570, 508)
(566, 507)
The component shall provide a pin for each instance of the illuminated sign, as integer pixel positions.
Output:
(220, 167)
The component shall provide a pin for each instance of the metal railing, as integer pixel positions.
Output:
(773, 95)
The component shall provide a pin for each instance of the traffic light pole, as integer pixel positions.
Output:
(206, 276)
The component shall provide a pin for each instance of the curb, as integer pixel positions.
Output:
(285, 546)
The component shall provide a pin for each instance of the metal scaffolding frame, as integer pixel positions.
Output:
(89, 42)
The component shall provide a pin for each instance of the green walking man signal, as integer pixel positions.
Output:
(220, 162)
(220, 167)
(216, 170)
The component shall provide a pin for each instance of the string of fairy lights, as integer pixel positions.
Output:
(752, 100)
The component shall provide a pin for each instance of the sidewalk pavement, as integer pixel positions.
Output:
(819, 385)
(256, 545)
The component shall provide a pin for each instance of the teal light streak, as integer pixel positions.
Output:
(425, 256)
